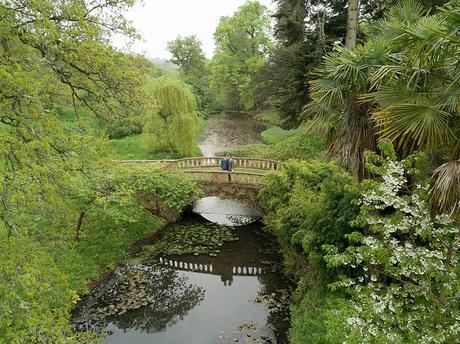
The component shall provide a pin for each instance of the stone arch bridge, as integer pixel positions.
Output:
(243, 183)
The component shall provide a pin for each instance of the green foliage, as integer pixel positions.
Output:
(243, 42)
(310, 204)
(188, 55)
(275, 134)
(300, 49)
(43, 65)
(405, 279)
(35, 296)
(128, 125)
(419, 108)
(295, 144)
(173, 122)
(401, 85)
(318, 316)
(168, 187)
(191, 238)
(336, 107)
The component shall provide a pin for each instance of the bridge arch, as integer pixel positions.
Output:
(245, 193)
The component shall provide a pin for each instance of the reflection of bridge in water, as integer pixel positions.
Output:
(225, 271)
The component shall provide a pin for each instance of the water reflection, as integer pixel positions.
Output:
(140, 297)
(195, 299)
(226, 211)
(225, 269)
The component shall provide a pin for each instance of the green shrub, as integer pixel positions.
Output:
(318, 316)
(311, 204)
(35, 294)
(405, 277)
(127, 125)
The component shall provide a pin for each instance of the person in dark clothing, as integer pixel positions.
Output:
(229, 167)
(230, 164)
(224, 163)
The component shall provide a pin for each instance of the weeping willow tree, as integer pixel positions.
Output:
(173, 121)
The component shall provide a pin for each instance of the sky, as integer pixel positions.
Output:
(161, 21)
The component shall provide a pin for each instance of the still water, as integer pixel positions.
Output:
(224, 132)
(241, 295)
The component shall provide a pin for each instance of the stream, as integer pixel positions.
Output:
(226, 131)
(239, 294)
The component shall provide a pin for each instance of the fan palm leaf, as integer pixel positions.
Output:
(336, 107)
(445, 188)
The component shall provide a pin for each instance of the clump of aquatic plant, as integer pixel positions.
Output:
(191, 238)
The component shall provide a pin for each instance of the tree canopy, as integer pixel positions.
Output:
(242, 45)
(173, 122)
(53, 52)
(187, 54)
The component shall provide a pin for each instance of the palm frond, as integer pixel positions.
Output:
(414, 126)
(445, 188)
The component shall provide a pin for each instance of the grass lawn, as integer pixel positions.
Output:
(276, 135)
(131, 147)
(83, 117)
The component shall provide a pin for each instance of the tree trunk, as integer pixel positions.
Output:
(78, 226)
(352, 24)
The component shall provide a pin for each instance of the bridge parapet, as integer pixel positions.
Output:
(249, 163)
(206, 162)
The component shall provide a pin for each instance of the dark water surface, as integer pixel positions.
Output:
(224, 132)
(240, 295)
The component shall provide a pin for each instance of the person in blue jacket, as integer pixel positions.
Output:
(224, 163)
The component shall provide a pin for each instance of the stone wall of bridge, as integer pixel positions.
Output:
(243, 184)
(245, 193)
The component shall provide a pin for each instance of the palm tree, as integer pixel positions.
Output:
(336, 107)
(402, 85)
(419, 94)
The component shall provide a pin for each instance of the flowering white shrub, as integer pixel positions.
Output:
(405, 283)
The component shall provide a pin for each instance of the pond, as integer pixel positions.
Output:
(240, 294)
(224, 132)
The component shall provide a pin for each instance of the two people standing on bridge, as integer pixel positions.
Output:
(226, 164)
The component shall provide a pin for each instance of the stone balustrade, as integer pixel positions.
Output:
(206, 162)
(207, 169)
